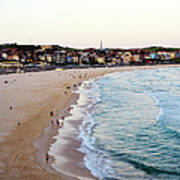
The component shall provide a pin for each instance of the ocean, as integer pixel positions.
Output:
(131, 124)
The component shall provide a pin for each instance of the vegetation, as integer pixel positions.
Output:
(156, 48)
(176, 60)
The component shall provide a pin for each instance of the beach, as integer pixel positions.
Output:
(28, 103)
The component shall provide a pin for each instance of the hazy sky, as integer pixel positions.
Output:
(83, 23)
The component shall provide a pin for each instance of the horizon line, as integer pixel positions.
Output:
(96, 47)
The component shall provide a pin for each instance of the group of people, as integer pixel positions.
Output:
(56, 123)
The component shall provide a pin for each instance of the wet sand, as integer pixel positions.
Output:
(26, 105)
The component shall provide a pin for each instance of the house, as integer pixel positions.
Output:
(137, 58)
(147, 58)
(172, 55)
(4, 55)
(14, 57)
(44, 47)
(84, 58)
(115, 60)
(69, 59)
(126, 57)
(75, 59)
(48, 58)
(42, 57)
(178, 54)
(100, 60)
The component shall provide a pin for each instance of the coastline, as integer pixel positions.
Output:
(19, 158)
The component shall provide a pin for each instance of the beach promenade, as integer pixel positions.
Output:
(28, 103)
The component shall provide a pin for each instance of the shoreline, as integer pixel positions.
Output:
(31, 108)
(70, 160)
(47, 138)
(70, 146)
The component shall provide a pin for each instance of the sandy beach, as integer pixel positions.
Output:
(28, 103)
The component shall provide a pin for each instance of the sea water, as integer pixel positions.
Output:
(131, 125)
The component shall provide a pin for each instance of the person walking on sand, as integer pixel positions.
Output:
(52, 123)
(62, 124)
(47, 158)
(57, 122)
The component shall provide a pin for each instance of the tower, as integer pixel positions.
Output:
(101, 45)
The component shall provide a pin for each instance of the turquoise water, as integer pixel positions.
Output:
(131, 128)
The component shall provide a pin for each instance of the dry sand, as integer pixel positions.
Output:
(26, 102)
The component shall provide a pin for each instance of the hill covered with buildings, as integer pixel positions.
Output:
(43, 57)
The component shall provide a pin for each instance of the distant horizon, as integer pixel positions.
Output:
(96, 47)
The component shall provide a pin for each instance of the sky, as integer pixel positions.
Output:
(83, 23)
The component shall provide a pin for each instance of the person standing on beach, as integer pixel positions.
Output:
(62, 124)
(47, 158)
(52, 123)
(57, 122)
